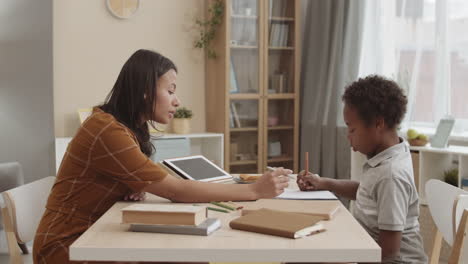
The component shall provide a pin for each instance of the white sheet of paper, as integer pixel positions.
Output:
(295, 194)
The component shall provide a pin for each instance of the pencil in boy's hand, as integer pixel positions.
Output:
(216, 209)
(306, 162)
(224, 206)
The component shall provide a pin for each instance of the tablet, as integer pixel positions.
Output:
(444, 128)
(196, 168)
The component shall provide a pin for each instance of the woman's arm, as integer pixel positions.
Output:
(270, 185)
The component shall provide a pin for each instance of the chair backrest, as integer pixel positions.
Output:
(11, 176)
(460, 251)
(25, 205)
(446, 211)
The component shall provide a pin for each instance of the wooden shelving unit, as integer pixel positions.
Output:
(252, 92)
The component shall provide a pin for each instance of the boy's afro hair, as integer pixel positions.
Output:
(375, 96)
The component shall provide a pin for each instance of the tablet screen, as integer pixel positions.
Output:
(196, 168)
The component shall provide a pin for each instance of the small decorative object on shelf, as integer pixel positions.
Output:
(415, 138)
(451, 177)
(464, 183)
(181, 122)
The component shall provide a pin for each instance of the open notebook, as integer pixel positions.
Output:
(325, 209)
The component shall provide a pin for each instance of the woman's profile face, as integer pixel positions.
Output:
(166, 98)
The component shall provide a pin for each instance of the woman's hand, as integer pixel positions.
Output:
(272, 183)
(310, 182)
(140, 196)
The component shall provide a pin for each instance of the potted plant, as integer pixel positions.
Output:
(207, 28)
(181, 122)
(451, 177)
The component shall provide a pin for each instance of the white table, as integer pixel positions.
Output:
(109, 240)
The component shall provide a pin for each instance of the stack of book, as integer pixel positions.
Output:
(170, 219)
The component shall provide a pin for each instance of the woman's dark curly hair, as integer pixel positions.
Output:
(376, 96)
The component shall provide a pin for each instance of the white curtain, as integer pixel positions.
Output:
(331, 51)
(423, 45)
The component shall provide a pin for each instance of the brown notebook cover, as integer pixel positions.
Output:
(278, 223)
(326, 209)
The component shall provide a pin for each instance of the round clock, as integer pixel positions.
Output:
(123, 8)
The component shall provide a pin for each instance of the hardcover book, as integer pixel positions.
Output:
(163, 214)
(279, 223)
(204, 229)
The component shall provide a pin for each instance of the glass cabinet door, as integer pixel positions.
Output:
(244, 47)
(244, 86)
(281, 76)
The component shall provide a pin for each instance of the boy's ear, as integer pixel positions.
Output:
(380, 123)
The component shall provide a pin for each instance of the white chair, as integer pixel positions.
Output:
(11, 176)
(22, 211)
(449, 209)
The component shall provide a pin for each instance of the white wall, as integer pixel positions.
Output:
(90, 47)
(26, 100)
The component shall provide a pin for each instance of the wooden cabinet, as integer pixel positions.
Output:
(252, 93)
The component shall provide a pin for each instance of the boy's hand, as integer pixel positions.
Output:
(310, 182)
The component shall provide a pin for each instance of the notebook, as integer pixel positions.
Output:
(296, 194)
(203, 229)
(279, 223)
(325, 209)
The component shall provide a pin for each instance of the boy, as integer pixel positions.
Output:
(386, 198)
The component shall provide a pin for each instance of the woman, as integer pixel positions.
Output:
(107, 160)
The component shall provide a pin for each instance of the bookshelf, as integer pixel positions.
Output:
(252, 93)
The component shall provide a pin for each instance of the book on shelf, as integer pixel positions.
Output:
(235, 115)
(163, 214)
(204, 229)
(277, 8)
(326, 209)
(233, 79)
(279, 223)
(279, 34)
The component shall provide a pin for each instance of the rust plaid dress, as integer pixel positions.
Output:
(102, 164)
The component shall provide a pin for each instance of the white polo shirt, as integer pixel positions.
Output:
(387, 199)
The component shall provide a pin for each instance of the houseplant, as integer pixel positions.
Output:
(451, 177)
(207, 28)
(181, 122)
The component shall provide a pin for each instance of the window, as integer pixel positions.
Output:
(423, 45)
